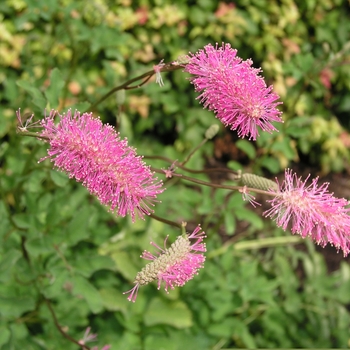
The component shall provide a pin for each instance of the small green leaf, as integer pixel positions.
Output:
(247, 147)
(59, 178)
(87, 265)
(39, 245)
(175, 314)
(80, 106)
(270, 164)
(83, 288)
(7, 262)
(22, 220)
(53, 92)
(4, 335)
(38, 98)
(230, 223)
(16, 306)
(77, 228)
(114, 300)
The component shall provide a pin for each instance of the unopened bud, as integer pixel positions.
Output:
(211, 131)
(258, 182)
(120, 97)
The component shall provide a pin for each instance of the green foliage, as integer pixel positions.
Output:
(64, 257)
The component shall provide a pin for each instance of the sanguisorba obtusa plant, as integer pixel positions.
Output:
(95, 155)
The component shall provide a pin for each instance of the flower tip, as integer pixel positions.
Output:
(133, 293)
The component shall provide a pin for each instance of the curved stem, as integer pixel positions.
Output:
(193, 152)
(209, 184)
(203, 171)
(127, 85)
(67, 336)
(166, 221)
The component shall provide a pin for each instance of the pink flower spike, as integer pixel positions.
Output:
(94, 154)
(157, 69)
(174, 266)
(311, 211)
(234, 90)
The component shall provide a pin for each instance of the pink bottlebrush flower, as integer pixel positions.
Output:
(311, 211)
(234, 90)
(175, 265)
(94, 154)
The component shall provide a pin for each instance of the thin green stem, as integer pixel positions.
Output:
(209, 184)
(193, 151)
(166, 221)
(33, 134)
(202, 171)
(127, 85)
(67, 336)
(255, 244)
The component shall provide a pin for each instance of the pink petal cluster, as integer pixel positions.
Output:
(94, 154)
(173, 266)
(311, 211)
(234, 90)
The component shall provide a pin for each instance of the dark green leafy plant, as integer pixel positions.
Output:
(65, 260)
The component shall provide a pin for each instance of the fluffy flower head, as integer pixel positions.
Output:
(234, 90)
(173, 266)
(94, 154)
(311, 211)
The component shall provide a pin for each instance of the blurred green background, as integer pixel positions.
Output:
(261, 287)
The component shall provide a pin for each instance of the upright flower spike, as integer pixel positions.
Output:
(234, 90)
(175, 265)
(94, 154)
(311, 211)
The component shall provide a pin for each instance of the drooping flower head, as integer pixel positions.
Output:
(173, 266)
(93, 153)
(311, 211)
(234, 90)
